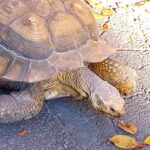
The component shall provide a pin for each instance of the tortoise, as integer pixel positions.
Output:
(45, 46)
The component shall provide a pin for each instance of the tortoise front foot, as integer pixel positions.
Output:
(116, 73)
(18, 106)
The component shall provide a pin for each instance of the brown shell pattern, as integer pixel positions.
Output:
(38, 38)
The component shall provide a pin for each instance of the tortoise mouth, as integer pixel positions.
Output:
(117, 115)
(112, 114)
(109, 113)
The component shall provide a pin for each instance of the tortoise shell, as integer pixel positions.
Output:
(38, 38)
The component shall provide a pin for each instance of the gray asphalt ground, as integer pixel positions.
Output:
(68, 124)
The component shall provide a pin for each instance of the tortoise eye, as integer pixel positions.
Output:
(112, 109)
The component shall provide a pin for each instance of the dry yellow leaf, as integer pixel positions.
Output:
(97, 16)
(140, 3)
(107, 12)
(94, 4)
(126, 7)
(128, 127)
(124, 141)
(147, 140)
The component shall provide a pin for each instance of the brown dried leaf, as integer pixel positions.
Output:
(22, 132)
(128, 127)
(124, 141)
(147, 140)
(140, 145)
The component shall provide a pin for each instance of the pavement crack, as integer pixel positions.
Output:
(111, 119)
(145, 37)
(56, 116)
(103, 32)
(143, 67)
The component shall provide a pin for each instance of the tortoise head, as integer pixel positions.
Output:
(108, 100)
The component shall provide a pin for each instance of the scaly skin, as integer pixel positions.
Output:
(53, 88)
(117, 74)
(24, 104)
(104, 97)
(21, 105)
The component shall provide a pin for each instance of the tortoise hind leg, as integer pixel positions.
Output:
(22, 105)
(116, 73)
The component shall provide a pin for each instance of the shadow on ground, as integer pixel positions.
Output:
(62, 124)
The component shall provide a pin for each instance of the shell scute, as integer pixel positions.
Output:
(38, 38)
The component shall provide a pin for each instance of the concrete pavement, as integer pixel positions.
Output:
(67, 124)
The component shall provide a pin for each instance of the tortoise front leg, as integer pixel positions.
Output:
(22, 105)
(116, 73)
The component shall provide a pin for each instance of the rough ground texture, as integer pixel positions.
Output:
(67, 124)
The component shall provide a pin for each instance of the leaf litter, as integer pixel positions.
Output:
(121, 141)
(22, 132)
(129, 127)
(125, 142)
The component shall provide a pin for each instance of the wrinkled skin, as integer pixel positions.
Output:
(110, 104)
(82, 82)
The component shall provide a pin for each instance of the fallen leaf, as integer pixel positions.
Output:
(22, 132)
(140, 3)
(147, 140)
(126, 7)
(128, 127)
(140, 145)
(114, 9)
(107, 12)
(97, 16)
(105, 26)
(124, 141)
(94, 4)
